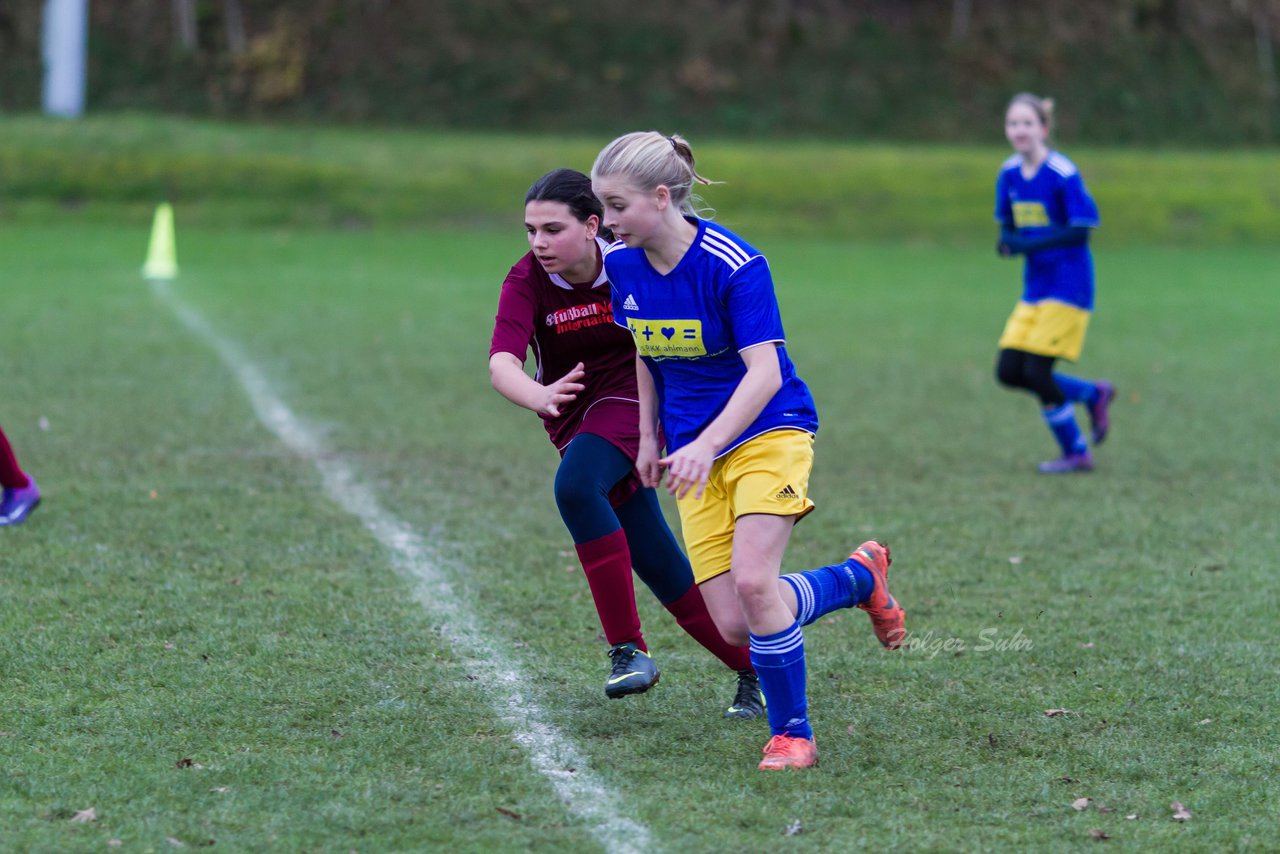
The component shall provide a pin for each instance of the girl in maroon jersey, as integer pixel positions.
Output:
(556, 301)
(19, 494)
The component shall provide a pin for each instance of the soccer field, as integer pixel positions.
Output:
(298, 582)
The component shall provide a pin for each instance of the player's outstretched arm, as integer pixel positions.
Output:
(509, 379)
(690, 466)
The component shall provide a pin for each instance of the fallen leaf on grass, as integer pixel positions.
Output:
(1080, 804)
(85, 816)
(335, 733)
(509, 813)
(154, 495)
(1099, 834)
(176, 843)
(1053, 713)
(793, 828)
(1103, 808)
(187, 762)
(1180, 813)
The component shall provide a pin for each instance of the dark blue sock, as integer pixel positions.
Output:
(1062, 422)
(829, 588)
(779, 663)
(1077, 390)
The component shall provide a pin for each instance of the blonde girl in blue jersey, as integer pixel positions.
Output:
(717, 386)
(1046, 214)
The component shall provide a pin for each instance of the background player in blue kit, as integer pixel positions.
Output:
(716, 382)
(1046, 214)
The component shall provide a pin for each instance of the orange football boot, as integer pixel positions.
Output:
(785, 751)
(887, 616)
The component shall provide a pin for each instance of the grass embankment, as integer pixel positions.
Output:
(114, 167)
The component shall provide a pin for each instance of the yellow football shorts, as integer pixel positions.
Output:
(1048, 327)
(767, 474)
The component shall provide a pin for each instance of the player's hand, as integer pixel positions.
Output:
(1011, 243)
(562, 391)
(647, 464)
(689, 468)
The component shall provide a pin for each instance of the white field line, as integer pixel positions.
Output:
(550, 751)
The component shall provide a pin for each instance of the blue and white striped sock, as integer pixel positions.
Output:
(1077, 390)
(829, 588)
(1062, 423)
(779, 663)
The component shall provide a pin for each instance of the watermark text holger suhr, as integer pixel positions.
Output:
(930, 643)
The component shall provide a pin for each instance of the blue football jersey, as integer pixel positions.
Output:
(690, 325)
(1054, 196)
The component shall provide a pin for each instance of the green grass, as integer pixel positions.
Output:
(115, 168)
(186, 591)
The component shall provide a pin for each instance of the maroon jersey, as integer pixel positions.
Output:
(565, 324)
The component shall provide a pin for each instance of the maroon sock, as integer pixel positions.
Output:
(607, 563)
(11, 474)
(690, 611)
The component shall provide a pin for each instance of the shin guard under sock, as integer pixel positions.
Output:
(779, 662)
(607, 562)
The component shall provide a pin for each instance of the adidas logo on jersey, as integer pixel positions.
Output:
(787, 494)
(629, 304)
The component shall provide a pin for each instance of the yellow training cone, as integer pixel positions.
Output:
(162, 256)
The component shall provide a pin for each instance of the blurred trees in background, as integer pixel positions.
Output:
(1149, 71)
